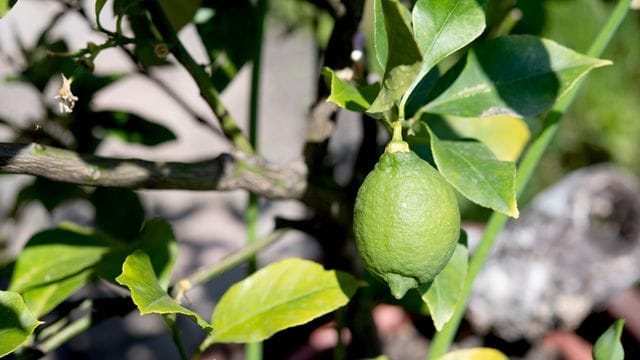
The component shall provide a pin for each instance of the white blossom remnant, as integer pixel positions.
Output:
(66, 100)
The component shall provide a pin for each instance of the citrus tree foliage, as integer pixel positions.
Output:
(452, 88)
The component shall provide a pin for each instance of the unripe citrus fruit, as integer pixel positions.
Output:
(406, 220)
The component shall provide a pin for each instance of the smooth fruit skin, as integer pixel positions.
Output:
(406, 221)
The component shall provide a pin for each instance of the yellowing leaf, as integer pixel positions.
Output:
(506, 136)
(475, 354)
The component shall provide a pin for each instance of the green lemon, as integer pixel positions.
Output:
(406, 220)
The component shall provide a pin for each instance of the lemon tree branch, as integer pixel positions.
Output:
(225, 172)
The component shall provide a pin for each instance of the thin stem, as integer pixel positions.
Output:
(443, 339)
(197, 72)
(170, 320)
(68, 332)
(254, 350)
(204, 275)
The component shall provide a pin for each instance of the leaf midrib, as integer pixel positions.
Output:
(439, 32)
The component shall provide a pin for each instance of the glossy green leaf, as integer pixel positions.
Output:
(514, 75)
(157, 240)
(179, 12)
(608, 346)
(56, 254)
(228, 32)
(44, 298)
(284, 294)
(403, 57)
(16, 322)
(147, 293)
(381, 44)
(475, 354)
(444, 26)
(506, 136)
(348, 96)
(474, 171)
(443, 293)
(5, 6)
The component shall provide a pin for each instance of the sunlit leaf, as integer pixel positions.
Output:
(475, 354)
(608, 346)
(157, 240)
(16, 322)
(44, 298)
(444, 26)
(518, 75)
(5, 6)
(56, 254)
(506, 136)
(443, 293)
(146, 291)
(284, 294)
(474, 171)
(349, 96)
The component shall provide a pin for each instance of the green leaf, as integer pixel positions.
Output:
(157, 240)
(419, 91)
(348, 96)
(444, 26)
(16, 322)
(49, 193)
(514, 75)
(5, 6)
(506, 136)
(284, 294)
(443, 293)
(56, 254)
(228, 32)
(146, 291)
(474, 171)
(381, 44)
(475, 354)
(179, 12)
(403, 60)
(132, 128)
(608, 346)
(44, 298)
(119, 212)
(99, 5)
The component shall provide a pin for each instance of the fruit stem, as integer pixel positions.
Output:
(396, 144)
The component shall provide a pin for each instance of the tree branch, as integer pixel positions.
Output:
(225, 172)
(200, 76)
